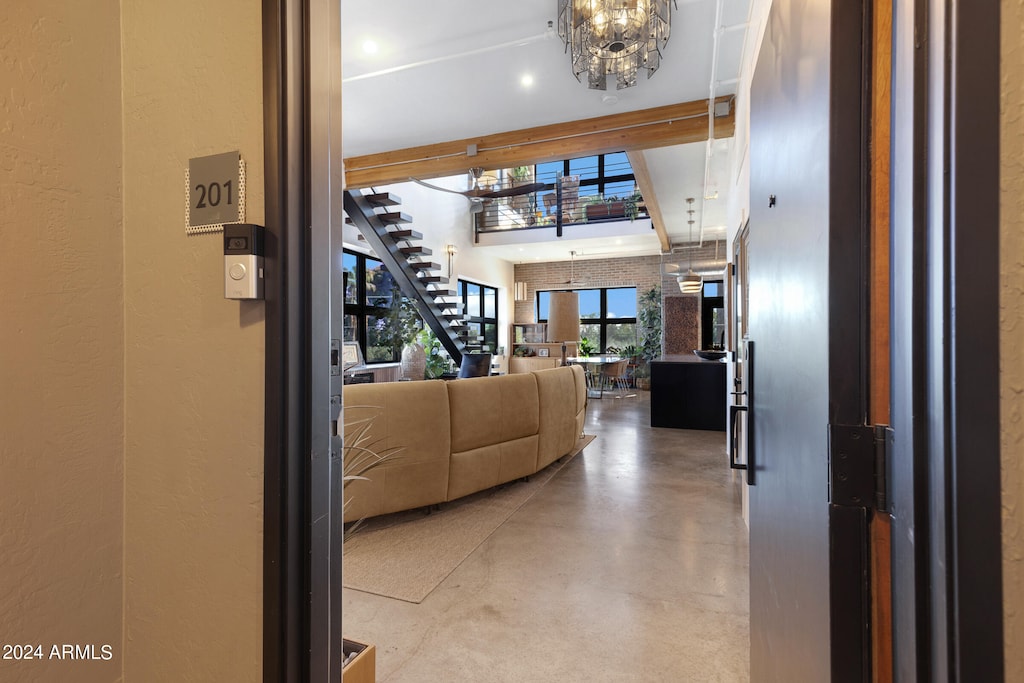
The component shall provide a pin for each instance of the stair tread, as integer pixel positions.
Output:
(384, 199)
(418, 249)
(394, 217)
(424, 265)
(433, 279)
(397, 235)
(405, 234)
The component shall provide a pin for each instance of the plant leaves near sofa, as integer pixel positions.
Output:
(361, 455)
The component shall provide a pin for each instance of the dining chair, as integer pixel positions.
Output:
(614, 376)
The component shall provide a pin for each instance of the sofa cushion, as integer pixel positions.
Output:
(410, 423)
(494, 423)
(482, 468)
(489, 410)
(562, 397)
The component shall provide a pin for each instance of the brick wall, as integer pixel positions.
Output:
(681, 330)
(681, 319)
(642, 272)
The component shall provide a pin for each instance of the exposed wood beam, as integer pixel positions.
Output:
(673, 124)
(646, 185)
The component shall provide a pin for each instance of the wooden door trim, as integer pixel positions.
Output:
(879, 367)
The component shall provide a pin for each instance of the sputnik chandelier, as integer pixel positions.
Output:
(617, 37)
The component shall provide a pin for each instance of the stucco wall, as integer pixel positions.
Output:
(192, 86)
(1012, 327)
(61, 411)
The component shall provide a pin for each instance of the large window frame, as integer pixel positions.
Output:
(712, 310)
(603, 320)
(590, 185)
(361, 309)
(476, 312)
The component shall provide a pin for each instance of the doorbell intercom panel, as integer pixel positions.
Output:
(243, 261)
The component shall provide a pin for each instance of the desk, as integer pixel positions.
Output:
(592, 365)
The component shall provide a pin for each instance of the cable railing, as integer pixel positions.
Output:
(568, 200)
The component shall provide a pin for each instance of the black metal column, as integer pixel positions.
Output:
(285, 583)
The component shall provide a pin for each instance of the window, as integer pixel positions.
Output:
(480, 311)
(607, 316)
(370, 292)
(712, 308)
(609, 175)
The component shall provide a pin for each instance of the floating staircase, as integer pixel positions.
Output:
(398, 248)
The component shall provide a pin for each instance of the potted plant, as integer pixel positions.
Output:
(632, 204)
(586, 347)
(594, 206)
(642, 377)
(649, 328)
(523, 204)
(398, 330)
(616, 207)
(438, 362)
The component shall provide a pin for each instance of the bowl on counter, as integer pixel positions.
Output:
(708, 354)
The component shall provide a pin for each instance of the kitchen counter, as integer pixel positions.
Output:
(688, 392)
(685, 358)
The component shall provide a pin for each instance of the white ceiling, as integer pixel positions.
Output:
(456, 69)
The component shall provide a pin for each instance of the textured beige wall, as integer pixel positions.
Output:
(192, 84)
(61, 345)
(61, 420)
(1012, 328)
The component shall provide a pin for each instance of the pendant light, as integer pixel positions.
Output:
(614, 38)
(691, 283)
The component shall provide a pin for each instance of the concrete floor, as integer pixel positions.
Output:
(630, 565)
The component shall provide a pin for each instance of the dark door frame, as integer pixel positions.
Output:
(302, 469)
(945, 470)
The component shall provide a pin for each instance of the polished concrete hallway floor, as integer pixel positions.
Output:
(630, 565)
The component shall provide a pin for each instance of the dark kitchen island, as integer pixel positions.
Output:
(688, 392)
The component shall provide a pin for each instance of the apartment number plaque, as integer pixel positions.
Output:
(214, 192)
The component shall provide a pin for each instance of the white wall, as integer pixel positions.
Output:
(739, 167)
(739, 163)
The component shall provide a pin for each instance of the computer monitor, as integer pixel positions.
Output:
(351, 355)
(475, 365)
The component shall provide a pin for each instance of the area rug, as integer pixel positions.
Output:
(406, 555)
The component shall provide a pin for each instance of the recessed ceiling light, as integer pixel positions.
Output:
(370, 47)
(526, 81)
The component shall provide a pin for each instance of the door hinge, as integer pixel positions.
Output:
(859, 465)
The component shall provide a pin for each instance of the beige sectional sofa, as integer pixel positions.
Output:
(450, 439)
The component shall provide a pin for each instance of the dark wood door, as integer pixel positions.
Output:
(807, 259)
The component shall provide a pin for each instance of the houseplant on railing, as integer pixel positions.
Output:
(632, 205)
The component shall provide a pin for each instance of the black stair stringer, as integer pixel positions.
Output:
(362, 213)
